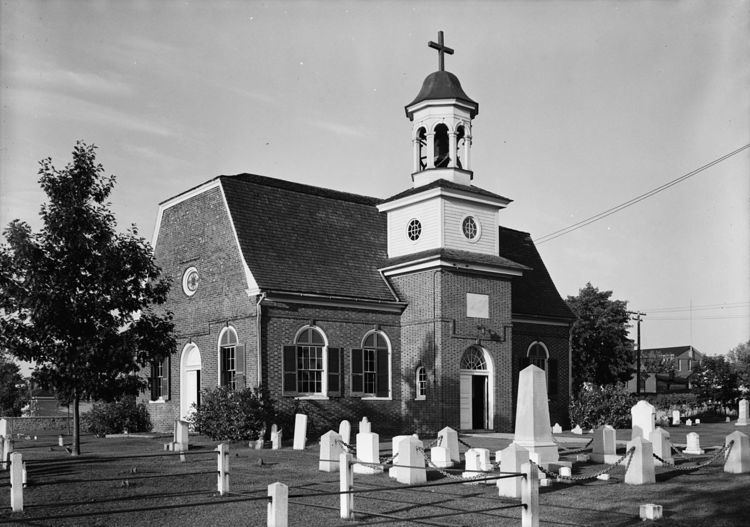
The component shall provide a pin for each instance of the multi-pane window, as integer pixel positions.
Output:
(469, 227)
(371, 366)
(231, 360)
(311, 367)
(160, 379)
(473, 359)
(414, 230)
(310, 362)
(421, 383)
(537, 355)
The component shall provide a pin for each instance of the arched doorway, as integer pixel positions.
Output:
(190, 380)
(477, 387)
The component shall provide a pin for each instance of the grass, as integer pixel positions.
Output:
(105, 487)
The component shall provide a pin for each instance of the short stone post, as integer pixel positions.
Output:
(743, 417)
(330, 450)
(511, 459)
(557, 429)
(689, 422)
(529, 495)
(395, 443)
(300, 432)
(448, 438)
(275, 438)
(477, 462)
(16, 482)
(675, 417)
(643, 418)
(345, 431)
(7, 451)
(738, 460)
(365, 427)
(181, 435)
(223, 467)
(4, 429)
(60, 440)
(409, 455)
(346, 481)
(641, 468)
(693, 444)
(440, 456)
(368, 450)
(278, 506)
(651, 511)
(604, 447)
(577, 430)
(662, 447)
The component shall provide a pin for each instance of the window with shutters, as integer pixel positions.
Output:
(160, 380)
(231, 360)
(311, 368)
(371, 366)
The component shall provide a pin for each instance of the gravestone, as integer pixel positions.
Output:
(409, 455)
(181, 436)
(727, 419)
(651, 511)
(395, 442)
(300, 432)
(4, 428)
(604, 446)
(448, 438)
(365, 427)
(440, 456)
(275, 437)
(330, 450)
(689, 422)
(345, 431)
(577, 430)
(557, 429)
(643, 418)
(738, 460)
(641, 468)
(662, 446)
(532, 416)
(693, 444)
(368, 450)
(511, 459)
(697, 421)
(743, 419)
(477, 462)
(675, 417)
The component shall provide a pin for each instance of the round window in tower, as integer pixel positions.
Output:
(470, 228)
(190, 281)
(414, 230)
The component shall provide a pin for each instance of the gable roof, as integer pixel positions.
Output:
(534, 293)
(335, 251)
(674, 350)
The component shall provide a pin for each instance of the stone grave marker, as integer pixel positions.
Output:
(448, 438)
(532, 416)
(643, 418)
(300, 432)
(368, 450)
(738, 460)
(275, 437)
(743, 417)
(4, 428)
(577, 430)
(365, 427)
(345, 431)
(511, 459)
(675, 417)
(330, 450)
(395, 442)
(693, 444)
(662, 446)
(726, 420)
(689, 422)
(604, 447)
(441, 457)
(697, 421)
(409, 455)
(557, 429)
(181, 435)
(477, 461)
(641, 468)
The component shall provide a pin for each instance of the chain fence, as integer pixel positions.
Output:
(609, 468)
(725, 450)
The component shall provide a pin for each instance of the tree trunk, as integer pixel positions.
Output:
(76, 451)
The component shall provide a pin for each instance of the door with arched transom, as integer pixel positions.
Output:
(477, 390)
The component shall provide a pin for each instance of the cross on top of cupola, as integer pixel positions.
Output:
(441, 49)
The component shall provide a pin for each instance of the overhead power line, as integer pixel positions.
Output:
(704, 307)
(570, 228)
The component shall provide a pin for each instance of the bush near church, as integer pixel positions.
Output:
(226, 414)
(117, 417)
(594, 406)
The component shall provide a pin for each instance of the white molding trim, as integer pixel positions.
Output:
(443, 193)
(436, 261)
(440, 102)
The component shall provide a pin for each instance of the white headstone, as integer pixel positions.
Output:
(441, 457)
(409, 455)
(395, 442)
(604, 446)
(662, 446)
(181, 435)
(330, 450)
(697, 421)
(557, 429)
(643, 417)
(738, 460)
(276, 439)
(368, 450)
(365, 427)
(511, 458)
(4, 428)
(577, 430)
(693, 444)
(743, 417)
(345, 431)
(565, 472)
(689, 422)
(532, 415)
(651, 511)
(477, 462)
(641, 468)
(726, 420)
(675, 417)
(300, 432)
(448, 438)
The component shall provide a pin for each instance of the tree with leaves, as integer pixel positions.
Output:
(80, 299)
(739, 358)
(602, 352)
(714, 380)
(13, 388)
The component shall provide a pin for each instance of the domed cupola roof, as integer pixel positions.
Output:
(442, 85)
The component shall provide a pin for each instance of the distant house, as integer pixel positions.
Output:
(667, 370)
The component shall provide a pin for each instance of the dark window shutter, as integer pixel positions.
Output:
(357, 370)
(335, 379)
(552, 377)
(382, 384)
(152, 382)
(290, 370)
(166, 380)
(239, 367)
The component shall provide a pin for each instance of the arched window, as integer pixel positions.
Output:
(442, 156)
(371, 366)
(421, 383)
(231, 360)
(460, 140)
(311, 366)
(422, 148)
(473, 359)
(538, 355)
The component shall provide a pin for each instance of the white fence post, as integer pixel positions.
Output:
(530, 495)
(16, 482)
(278, 506)
(346, 481)
(223, 465)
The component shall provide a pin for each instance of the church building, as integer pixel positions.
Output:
(417, 310)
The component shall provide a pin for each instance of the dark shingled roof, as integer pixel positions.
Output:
(444, 183)
(458, 257)
(442, 85)
(337, 250)
(534, 293)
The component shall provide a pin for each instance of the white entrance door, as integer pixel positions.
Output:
(476, 390)
(465, 402)
(190, 380)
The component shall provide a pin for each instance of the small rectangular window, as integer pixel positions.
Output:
(228, 367)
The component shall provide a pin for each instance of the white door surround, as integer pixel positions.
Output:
(477, 362)
(190, 368)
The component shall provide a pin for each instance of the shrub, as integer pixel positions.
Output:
(595, 406)
(226, 414)
(117, 417)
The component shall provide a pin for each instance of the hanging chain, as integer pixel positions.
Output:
(608, 468)
(726, 449)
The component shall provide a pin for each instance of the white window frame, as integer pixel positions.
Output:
(219, 362)
(390, 365)
(323, 394)
(421, 385)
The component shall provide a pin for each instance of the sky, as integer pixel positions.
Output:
(583, 105)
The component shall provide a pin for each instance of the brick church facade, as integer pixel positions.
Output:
(417, 311)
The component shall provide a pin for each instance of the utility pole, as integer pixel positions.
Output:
(638, 315)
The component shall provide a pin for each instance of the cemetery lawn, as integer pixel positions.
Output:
(102, 491)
